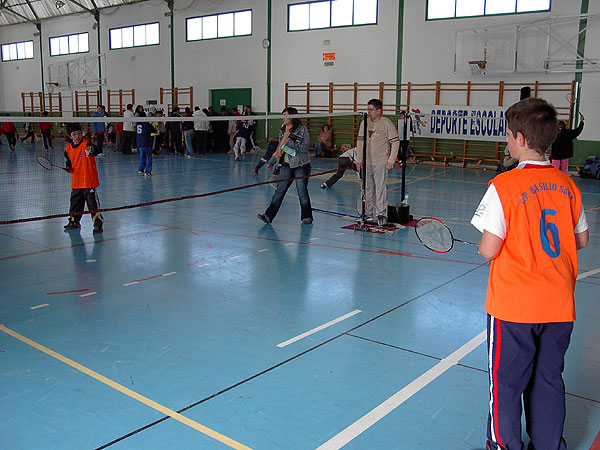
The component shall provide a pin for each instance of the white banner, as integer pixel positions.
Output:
(473, 123)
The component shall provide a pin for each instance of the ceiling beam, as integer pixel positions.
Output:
(4, 7)
(81, 6)
(32, 10)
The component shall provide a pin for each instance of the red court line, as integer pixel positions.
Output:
(201, 232)
(67, 292)
(193, 263)
(312, 244)
(145, 279)
(83, 244)
(390, 252)
(596, 443)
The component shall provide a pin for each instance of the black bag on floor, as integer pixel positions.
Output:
(591, 168)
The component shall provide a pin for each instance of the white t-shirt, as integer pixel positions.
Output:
(489, 215)
(128, 124)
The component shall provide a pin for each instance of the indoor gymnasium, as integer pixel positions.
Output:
(286, 224)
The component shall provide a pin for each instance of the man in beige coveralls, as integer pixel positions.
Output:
(382, 150)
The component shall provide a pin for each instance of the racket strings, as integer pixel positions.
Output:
(434, 235)
(44, 162)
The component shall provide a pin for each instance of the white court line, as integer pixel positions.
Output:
(289, 243)
(372, 417)
(88, 294)
(203, 265)
(319, 328)
(129, 284)
(263, 250)
(234, 257)
(90, 260)
(338, 234)
(588, 274)
(43, 305)
(314, 239)
(168, 274)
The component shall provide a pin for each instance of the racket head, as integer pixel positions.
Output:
(434, 234)
(44, 162)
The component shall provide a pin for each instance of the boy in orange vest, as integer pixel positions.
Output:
(533, 223)
(81, 163)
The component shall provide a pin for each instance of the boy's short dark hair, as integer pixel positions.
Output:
(376, 103)
(73, 127)
(535, 119)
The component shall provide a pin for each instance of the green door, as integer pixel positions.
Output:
(230, 98)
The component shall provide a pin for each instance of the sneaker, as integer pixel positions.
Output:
(255, 171)
(98, 229)
(266, 219)
(381, 220)
(188, 156)
(148, 174)
(324, 186)
(140, 172)
(72, 225)
(307, 221)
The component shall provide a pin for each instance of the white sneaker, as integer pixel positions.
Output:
(324, 186)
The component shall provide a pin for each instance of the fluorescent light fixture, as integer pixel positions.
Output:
(59, 4)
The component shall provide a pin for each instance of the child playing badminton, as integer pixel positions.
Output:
(533, 223)
(81, 163)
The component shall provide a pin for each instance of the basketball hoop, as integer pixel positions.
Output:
(477, 67)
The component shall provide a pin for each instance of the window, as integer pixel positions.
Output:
(135, 36)
(72, 43)
(331, 13)
(238, 23)
(446, 9)
(17, 50)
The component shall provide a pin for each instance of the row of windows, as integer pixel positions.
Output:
(301, 16)
(73, 43)
(18, 50)
(328, 14)
(445, 9)
(219, 26)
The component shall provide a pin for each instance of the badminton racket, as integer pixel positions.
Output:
(46, 164)
(435, 235)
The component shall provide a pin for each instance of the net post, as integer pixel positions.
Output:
(361, 224)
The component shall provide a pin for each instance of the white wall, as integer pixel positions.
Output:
(365, 54)
(429, 49)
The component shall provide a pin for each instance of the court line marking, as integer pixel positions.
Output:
(263, 250)
(168, 274)
(588, 274)
(88, 294)
(140, 398)
(67, 292)
(43, 305)
(319, 328)
(382, 410)
(203, 265)
(132, 283)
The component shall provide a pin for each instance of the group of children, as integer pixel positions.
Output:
(531, 234)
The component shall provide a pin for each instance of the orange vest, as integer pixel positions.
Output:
(84, 174)
(532, 280)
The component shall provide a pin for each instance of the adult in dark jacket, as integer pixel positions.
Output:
(562, 148)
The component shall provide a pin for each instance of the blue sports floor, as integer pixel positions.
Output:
(193, 325)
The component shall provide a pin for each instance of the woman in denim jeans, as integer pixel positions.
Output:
(294, 142)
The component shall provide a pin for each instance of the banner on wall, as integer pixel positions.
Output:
(472, 123)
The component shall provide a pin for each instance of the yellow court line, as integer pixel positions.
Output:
(140, 398)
